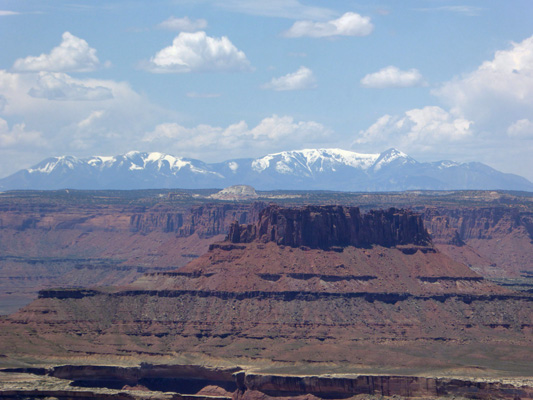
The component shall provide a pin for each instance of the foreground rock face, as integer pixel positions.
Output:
(198, 383)
(328, 226)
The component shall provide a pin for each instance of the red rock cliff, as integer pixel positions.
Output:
(329, 226)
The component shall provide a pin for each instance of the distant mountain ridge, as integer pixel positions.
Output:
(308, 169)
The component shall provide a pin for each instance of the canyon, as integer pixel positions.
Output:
(81, 239)
(415, 300)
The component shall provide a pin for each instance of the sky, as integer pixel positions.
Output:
(221, 79)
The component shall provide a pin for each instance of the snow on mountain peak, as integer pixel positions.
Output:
(447, 164)
(131, 154)
(330, 169)
(175, 163)
(233, 166)
(101, 162)
(390, 155)
(314, 160)
(260, 164)
(52, 163)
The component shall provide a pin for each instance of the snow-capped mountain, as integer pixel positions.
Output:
(318, 169)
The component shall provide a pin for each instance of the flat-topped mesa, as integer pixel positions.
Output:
(327, 227)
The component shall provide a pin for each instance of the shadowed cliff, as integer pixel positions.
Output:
(323, 227)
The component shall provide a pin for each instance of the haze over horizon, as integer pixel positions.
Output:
(214, 79)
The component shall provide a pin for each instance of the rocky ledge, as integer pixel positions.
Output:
(192, 382)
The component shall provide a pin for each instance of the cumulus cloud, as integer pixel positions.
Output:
(60, 86)
(418, 130)
(487, 116)
(299, 80)
(271, 134)
(522, 128)
(72, 55)
(99, 123)
(498, 93)
(349, 24)
(392, 77)
(18, 135)
(197, 52)
(184, 24)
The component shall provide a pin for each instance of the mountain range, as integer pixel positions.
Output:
(308, 169)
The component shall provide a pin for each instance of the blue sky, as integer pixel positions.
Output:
(215, 79)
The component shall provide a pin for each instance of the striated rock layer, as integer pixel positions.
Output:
(80, 239)
(97, 240)
(199, 383)
(369, 291)
(495, 241)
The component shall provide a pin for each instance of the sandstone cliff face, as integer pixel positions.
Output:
(203, 383)
(210, 221)
(329, 226)
(204, 220)
(495, 241)
(55, 243)
(477, 223)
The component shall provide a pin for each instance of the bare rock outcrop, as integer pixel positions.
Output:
(210, 220)
(330, 226)
(495, 241)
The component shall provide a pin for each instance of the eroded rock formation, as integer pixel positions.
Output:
(94, 241)
(495, 241)
(330, 226)
(386, 304)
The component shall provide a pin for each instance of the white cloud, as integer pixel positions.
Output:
(60, 86)
(427, 129)
(72, 55)
(299, 80)
(349, 24)
(489, 117)
(5, 13)
(102, 125)
(498, 93)
(184, 24)
(18, 135)
(197, 52)
(292, 9)
(271, 134)
(94, 116)
(392, 77)
(522, 128)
